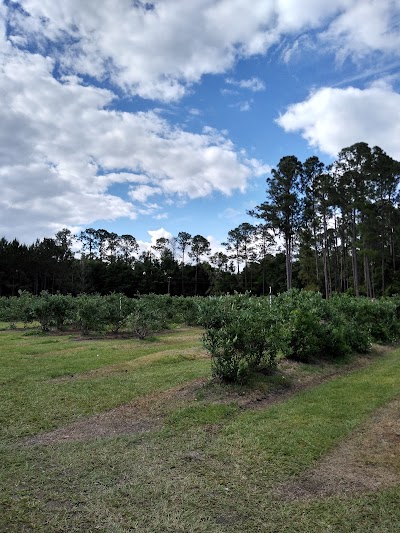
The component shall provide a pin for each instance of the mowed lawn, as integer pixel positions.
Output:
(125, 435)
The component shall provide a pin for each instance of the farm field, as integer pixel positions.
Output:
(114, 434)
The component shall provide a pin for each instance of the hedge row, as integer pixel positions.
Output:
(244, 334)
(95, 313)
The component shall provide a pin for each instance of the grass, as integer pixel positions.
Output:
(210, 466)
(35, 397)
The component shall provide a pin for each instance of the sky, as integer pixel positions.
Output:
(151, 118)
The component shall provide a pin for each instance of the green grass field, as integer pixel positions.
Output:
(123, 435)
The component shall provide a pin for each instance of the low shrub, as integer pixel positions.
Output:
(91, 314)
(145, 318)
(240, 338)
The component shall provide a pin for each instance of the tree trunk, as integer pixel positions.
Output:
(354, 254)
(325, 256)
(288, 250)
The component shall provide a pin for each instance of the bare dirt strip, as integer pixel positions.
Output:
(368, 460)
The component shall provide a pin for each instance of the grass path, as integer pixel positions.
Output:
(211, 467)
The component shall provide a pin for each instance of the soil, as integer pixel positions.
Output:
(140, 416)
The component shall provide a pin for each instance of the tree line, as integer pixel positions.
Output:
(332, 229)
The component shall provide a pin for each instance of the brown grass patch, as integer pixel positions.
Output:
(140, 416)
(368, 460)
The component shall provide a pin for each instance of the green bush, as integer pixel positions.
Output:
(52, 310)
(241, 336)
(185, 310)
(145, 317)
(117, 308)
(90, 313)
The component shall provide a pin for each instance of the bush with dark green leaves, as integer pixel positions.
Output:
(241, 336)
(313, 329)
(243, 333)
(53, 310)
(15, 309)
(186, 310)
(117, 308)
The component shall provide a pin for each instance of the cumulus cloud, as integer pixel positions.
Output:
(147, 246)
(64, 143)
(155, 53)
(158, 234)
(62, 149)
(159, 52)
(332, 118)
(363, 28)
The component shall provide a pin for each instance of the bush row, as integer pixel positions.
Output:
(245, 334)
(93, 313)
(242, 333)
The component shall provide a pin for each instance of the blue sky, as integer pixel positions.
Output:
(151, 119)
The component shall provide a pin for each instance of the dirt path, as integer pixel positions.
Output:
(140, 416)
(368, 460)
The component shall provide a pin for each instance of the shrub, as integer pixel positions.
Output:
(240, 336)
(43, 310)
(90, 313)
(185, 310)
(117, 308)
(145, 318)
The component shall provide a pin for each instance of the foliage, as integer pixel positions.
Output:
(248, 334)
(243, 334)
(17, 309)
(185, 310)
(117, 308)
(145, 318)
(90, 313)
(240, 336)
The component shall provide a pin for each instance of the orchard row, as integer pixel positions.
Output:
(243, 333)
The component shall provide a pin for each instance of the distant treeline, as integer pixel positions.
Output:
(331, 229)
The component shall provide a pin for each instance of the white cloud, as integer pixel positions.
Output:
(333, 118)
(63, 147)
(143, 192)
(147, 246)
(194, 111)
(364, 27)
(161, 216)
(215, 245)
(159, 53)
(253, 84)
(158, 234)
(230, 214)
(229, 92)
(245, 106)
(61, 150)
(154, 53)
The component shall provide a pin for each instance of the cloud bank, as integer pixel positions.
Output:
(65, 66)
